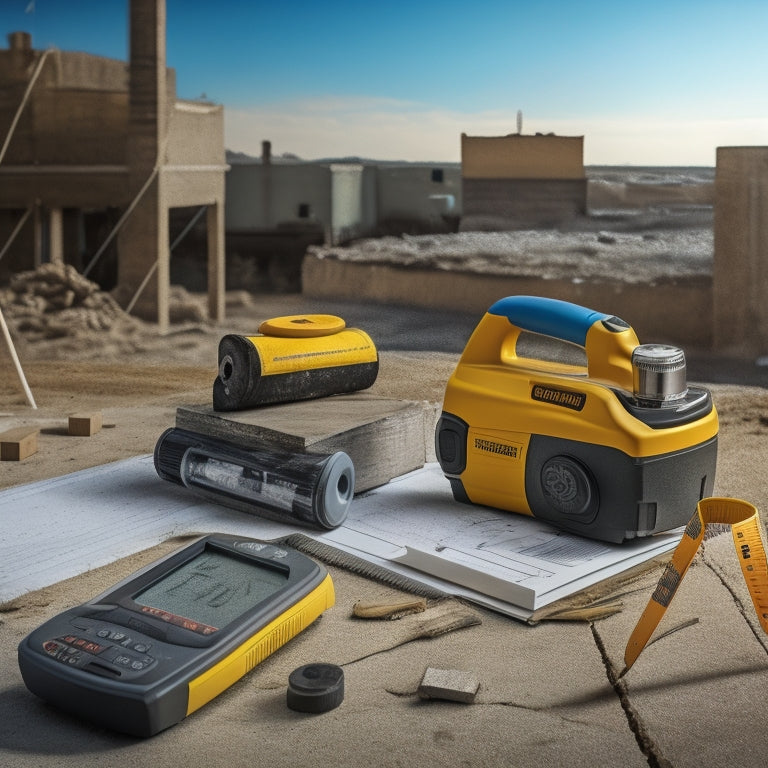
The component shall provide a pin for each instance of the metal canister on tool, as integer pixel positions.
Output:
(659, 374)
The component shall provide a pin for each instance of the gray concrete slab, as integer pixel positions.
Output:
(696, 693)
(694, 698)
(543, 700)
(384, 437)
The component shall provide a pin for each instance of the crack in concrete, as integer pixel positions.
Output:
(544, 709)
(541, 710)
(645, 741)
(738, 602)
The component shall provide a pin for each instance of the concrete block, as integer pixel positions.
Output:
(740, 277)
(385, 438)
(449, 684)
(704, 663)
(85, 424)
(19, 443)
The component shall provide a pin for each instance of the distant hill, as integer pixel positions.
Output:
(633, 174)
(287, 158)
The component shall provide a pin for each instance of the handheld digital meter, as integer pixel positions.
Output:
(165, 641)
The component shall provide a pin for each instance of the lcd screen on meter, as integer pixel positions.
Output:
(212, 590)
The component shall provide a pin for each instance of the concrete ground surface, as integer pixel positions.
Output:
(549, 694)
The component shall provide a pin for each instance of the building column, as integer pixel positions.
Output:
(143, 247)
(55, 236)
(216, 261)
(38, 237)
(740, 271)
(145, 259)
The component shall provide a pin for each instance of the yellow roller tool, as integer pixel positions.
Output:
(296, 357)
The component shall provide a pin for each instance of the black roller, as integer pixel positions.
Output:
(310, 489)
(262, 370)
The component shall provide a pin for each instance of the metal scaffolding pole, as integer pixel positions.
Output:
(15, 358)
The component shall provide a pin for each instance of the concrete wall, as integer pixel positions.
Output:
(501, 204)
(677, 304)
(370, 193)
(517, 182)
(58, 121)
(69, 145)
(195, 133)
(522, 157)
(346, 202)
(61, 110)
(265, 196)
(245, 198)
(740, 309)
(418, 193)
(84, 71)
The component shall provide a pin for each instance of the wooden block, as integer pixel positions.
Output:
(19, 443)
(85, 424)
(385, 438)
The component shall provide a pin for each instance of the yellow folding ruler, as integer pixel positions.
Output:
(746, 528)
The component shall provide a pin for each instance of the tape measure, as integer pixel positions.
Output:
(746, 528)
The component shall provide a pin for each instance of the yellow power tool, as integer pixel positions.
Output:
(615, 449)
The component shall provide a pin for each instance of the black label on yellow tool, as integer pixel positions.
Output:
(556, 396)
(510, 450)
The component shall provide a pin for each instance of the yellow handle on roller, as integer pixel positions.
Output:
(746, 528)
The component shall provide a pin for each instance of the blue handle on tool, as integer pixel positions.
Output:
(607, 340)
(551, 317)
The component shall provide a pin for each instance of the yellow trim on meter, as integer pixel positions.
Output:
(746, 528)
(265, 642)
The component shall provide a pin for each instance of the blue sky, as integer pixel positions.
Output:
(649, 82)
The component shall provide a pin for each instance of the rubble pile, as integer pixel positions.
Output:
(56, 303)
(637, 256)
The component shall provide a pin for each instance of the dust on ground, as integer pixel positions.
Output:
(639, 256)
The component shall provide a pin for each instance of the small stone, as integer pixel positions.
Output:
(449, 684)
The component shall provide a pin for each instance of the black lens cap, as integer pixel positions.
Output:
(315, 688)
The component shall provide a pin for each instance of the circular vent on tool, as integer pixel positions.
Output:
(569, 488)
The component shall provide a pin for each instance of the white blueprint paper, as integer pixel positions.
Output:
(54, 529)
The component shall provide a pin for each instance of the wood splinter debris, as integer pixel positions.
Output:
(388, 609)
